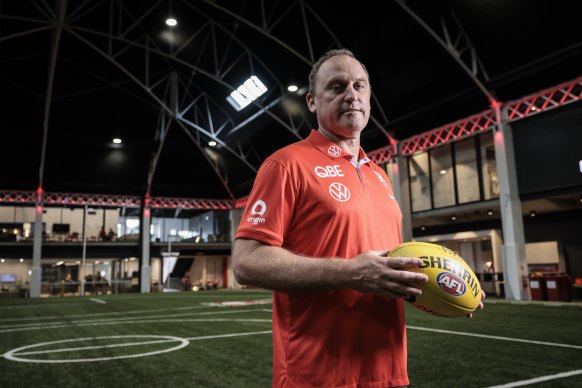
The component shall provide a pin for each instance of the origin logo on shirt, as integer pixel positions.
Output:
(259, 208)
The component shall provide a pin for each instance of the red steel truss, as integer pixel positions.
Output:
(190, 203)
(545, 100)
(16, 197)
(241, 202)
(91, 199)
(105, 200)
(450, 132)
(383, 154)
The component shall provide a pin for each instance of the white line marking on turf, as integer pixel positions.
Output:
(105, 314)
(152, 319)
(539, 379)
(14, 354)
(495, 337)
(109, 320)
(97, 300)
(10, 355)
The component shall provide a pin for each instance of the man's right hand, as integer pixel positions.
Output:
(378, 274)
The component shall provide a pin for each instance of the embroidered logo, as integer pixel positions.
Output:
(258, 209)
(381, 178)
(339, 192)
(328, 171)
(334, 151)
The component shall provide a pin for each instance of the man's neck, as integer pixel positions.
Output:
(352, 146)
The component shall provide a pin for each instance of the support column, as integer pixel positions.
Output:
(145, 268)
(235, 216)
(513, 248)
(36, 272)
(402, 193)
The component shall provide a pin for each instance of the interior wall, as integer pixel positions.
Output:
(564, 228)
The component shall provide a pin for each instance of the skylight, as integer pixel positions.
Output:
(248, 92)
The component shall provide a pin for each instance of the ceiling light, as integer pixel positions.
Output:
(117, 140)
(292, 88)
(532, 213)
(21, 260)
(489, 212)
(171, 22)
(246, 93)
(533, 108)
(212, 143)
(423, 227)
(453, 218)
(443, 172)
(2, 260)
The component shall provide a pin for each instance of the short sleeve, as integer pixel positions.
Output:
(270, 206)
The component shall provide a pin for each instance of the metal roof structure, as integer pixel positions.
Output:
(76, 74)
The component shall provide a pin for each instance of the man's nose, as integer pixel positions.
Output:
(351, 93)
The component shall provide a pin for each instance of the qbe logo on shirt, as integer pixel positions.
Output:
(259, 208)
(328, 171)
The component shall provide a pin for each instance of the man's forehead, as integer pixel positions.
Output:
(341, 67)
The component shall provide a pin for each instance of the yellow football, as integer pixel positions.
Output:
(452, 289)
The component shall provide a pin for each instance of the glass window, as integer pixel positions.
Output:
(441, 165)
(466, 169)
(419, 182)
(489, 167)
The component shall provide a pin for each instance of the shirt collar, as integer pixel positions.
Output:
(332, 150)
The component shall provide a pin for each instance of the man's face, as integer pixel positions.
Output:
(341, 97)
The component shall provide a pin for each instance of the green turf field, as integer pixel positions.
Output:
(210, 339)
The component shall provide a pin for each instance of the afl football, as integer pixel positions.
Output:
(452, 289)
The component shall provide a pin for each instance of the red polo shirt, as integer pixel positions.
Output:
(311, 199)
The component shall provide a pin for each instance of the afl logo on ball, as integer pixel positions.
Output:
(451, 283)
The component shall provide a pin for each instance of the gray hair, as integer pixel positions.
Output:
(325, 57)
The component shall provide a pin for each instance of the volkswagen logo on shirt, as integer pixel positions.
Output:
(339, 192)
(334, 151)
(258, 209)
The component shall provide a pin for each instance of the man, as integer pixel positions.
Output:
(317, 227)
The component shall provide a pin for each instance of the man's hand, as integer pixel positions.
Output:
(480, 306)
(376, 273)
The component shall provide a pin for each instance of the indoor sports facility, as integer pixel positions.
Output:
(131, 133)
(223, 339)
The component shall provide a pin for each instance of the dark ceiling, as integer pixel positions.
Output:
(75, 74)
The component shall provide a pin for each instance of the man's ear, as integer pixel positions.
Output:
(310, 98)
